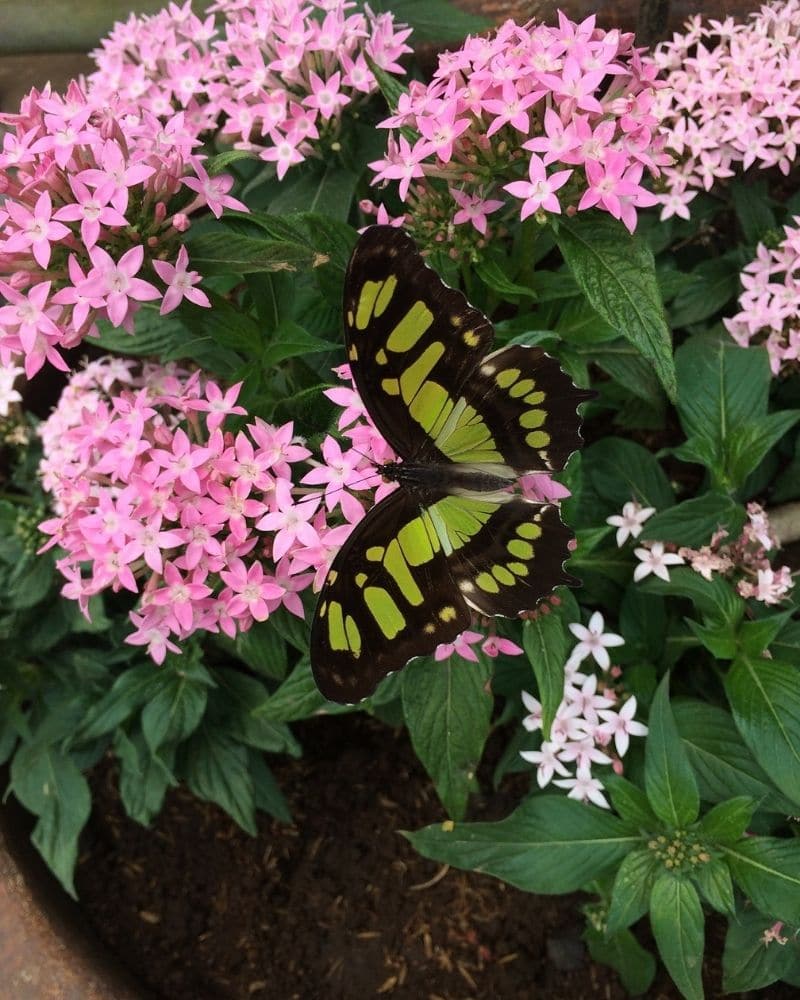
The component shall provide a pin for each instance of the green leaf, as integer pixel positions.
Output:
(724, 766)
(232, 253)
(50, 785)
(263, 649)
(292, 341)
(714, 283)
(749, 443)
(129, 691)
(787, 644)
(616, 273)
(298, 698)
(237, 711)
(670, 782)
(749, 964)
(545, 641)
(627, 367)
(765, 700)
(630, 896)
(753, 207)
(677, 921)
(549, 844)
(767, 870)
(329, 190)
(756, 637)
(143, 777)
(694, 521)
(218, 164)
(631, 803)
(722, 388)
(448, 708)
(494, 277)
(727, 821)
(216, 769)
(154, 335)
(636, 966)
(176, 705)
(434, 20)
(268, 796)
(713, 880)
(622, 470)
(715, 598)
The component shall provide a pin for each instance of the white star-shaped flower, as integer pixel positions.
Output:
(621, 725)
(630, 522)
(593, 641)
(547, 760)
(655, 560)
(584, 787)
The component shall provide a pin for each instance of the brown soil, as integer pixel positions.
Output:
(336, 907)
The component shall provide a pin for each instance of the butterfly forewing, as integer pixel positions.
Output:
(412, 342)
(389, 596)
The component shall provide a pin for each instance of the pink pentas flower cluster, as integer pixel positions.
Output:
(151, 494)
(591, 716)
(270, 78)
(745, 560)
(732, 101)
(769, 306)
(532, 120)
(93, 205)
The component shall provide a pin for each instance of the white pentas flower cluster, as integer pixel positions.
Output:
(590, 717)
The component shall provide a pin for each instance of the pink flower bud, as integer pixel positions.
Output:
(180, 221)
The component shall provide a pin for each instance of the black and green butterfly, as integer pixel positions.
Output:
(453, 538)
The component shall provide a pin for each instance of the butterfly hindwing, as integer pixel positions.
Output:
(516, 559)
(527, 414)
(389, 596)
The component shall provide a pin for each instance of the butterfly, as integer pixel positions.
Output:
(453, 538)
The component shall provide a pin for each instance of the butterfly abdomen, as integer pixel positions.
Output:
(450, 477)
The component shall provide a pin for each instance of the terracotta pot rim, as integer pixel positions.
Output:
(47, 950)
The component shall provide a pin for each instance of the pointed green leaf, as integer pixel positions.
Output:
(143, 777)
(750, 964)
(677, 921)
(631, 803)
(636, 966)
(715, 598)
(724, 766)
(549, 844)
(216, 769)
(727, 821)
(129, 692)
(545, 642)
(630, 896)
(694, 521)
(768, 871)
(622, 470)
(175, 707)
(448, 707)
(49, 784)
(713, 880)
(765, 699)
(670, 782)
(616, 273)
